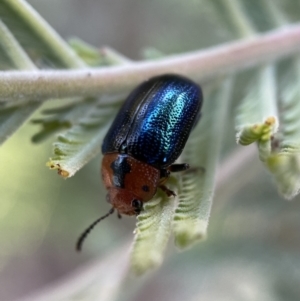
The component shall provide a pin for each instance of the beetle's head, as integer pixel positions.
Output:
(124, 201)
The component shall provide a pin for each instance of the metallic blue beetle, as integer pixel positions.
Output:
(146, 137)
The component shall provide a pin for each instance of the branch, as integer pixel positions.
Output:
(200, 65)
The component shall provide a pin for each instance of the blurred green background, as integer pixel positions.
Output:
(253, 248)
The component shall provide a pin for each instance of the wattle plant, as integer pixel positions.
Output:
(88, 86)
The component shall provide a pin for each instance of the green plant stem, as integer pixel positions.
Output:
(46, 33)
(13, 118)
(240, 21)
(114, 57)
(13, 50)
(277, 17)
(201, 65)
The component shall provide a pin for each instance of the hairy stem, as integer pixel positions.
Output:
(201, 65)
(13, 49)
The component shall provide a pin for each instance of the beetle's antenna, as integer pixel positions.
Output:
(90, 228)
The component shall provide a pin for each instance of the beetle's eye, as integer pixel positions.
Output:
(137, 205)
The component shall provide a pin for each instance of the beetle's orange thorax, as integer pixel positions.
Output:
(128, 179)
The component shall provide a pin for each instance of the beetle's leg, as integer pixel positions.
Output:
(164, 173)
(167, 190)
(185, 166)
(178, 167)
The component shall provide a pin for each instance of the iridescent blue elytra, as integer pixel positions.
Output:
(155, 121)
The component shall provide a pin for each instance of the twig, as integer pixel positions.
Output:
(201, 65)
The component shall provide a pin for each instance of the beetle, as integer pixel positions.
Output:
(145, 139)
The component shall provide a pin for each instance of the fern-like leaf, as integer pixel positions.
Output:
(58, 119)
(82, 142)
(284, 163)
(152, 233)
(257, 116)
(202, 153)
